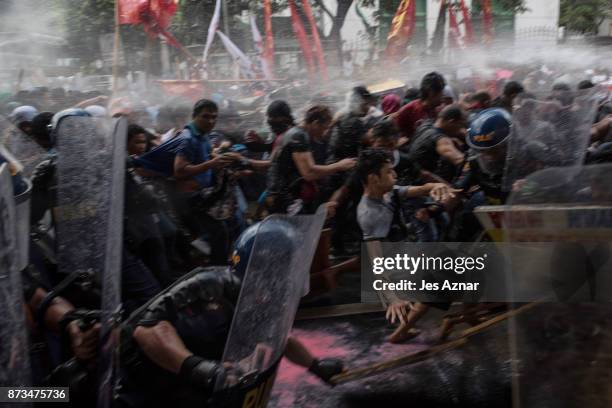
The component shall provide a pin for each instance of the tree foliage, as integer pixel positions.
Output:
(515, 6)
(584, 16)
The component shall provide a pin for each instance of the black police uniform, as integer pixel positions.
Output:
(200, 306)
(491, 187)
(138, 283)
(490, 184)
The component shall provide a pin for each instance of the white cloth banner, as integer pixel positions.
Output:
(246, 66)
(259, 46)
(212, 29)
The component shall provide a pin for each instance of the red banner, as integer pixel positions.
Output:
(129, 10)
(487, 19)
(467, 22)
(300, 33)
(402, 28)
(316, 39)
(268, 53)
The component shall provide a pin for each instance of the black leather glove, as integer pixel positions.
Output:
(202, 374)
(326, 368)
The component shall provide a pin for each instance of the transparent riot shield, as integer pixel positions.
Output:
(277, 277)
(14, 357)
(21, 146)
(89, 220)
(22, 214)
(550, 133)
(560, 257)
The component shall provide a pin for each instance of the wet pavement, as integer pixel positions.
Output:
(563, 353)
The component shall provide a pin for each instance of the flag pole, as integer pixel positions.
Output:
(116, 48)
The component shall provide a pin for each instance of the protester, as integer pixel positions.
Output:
(410, 117)
(292, 176)
(511, 91)
(381, 217)
(437, 147)
(391, 104)
(194, 169)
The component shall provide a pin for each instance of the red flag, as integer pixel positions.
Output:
(268, 53)
(402, 28)
(163, 11)
(129, 10)
(453, 29)
(300, 33)
(467, 22)
(154, 15)
(315, 37)
(487, 19)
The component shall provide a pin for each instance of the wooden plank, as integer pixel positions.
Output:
(391, 364)
(338, 310)
(358, 373)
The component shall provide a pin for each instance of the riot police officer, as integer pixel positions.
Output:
(172, 347)
(487, 139)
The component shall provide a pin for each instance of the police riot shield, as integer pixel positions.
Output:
(560, 258)
(14, 357)
(277, 276)
(22, 215)
(89, 221)
(550, 133)
(21, 146)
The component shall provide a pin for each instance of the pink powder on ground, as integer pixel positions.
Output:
(290, 376)
(321, 345)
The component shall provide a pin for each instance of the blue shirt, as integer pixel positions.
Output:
(195, 147)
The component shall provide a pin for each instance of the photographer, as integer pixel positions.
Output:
(201, 183)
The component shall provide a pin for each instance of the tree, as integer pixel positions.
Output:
(84, 22)
(338, 18)
(584, 16)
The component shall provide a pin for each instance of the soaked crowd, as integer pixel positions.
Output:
(405, 165)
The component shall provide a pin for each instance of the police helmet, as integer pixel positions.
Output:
(57, 118)
(489, 128)
(24, 113)
(96, 111)
(275, 235)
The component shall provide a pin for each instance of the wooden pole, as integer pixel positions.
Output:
(188, 54)
(116, 49)
(384, 366)
(147, 54)
(397, 362)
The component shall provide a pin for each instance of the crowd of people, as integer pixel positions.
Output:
(409, 166)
